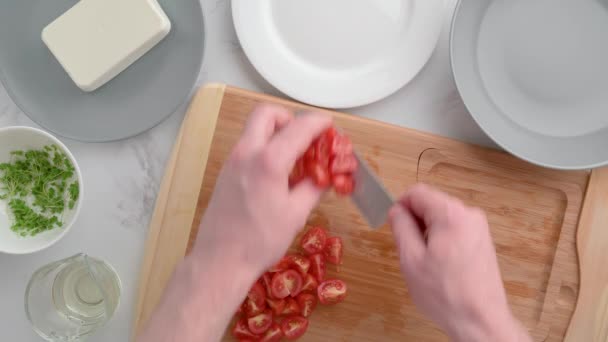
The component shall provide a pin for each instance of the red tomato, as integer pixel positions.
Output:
(341, 145)
(252, 308)
(310, 284)
(260, 323)
(331, 292)
(344, 184)
(299, 262)
(317, 267)
(346, 163)
(257, 294)
(241, 330)
(294, 327)
(277, 305)
(322, 149)
(314, 240)
(273, 334)
(277, 286)
(333, 250)
(307, 303)
(266, 279)
(298, 173)
(282, 265)
(291, 307)
(286, 283)
(319, 174)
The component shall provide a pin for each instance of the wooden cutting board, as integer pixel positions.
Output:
(533, 214)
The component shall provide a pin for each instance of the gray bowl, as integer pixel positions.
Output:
(534, 75)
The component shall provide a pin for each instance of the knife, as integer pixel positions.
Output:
(370, 196)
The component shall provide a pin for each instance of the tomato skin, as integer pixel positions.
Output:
(266, 280)
(260, 323)
(317, 267)
(273, 334)
(307, 302)
(241, 330)
(257, 294)
(299, 262)
(294, 327)
(319, 174)
(344, 184)
(314, 240)
(310, 284)
(343, 164)
(277, 305)
(334, 250)
(331, 292)
(291, 307)
(280, 266)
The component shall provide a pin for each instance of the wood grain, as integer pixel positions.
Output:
(532, 211)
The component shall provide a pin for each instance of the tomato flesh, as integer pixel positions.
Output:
(310, 284)
(266, 280)
(307, 302)
(344, 184)
(258, 324)
(257, 294)
(241, 330)
(282, 265)
(314, 240)
(277, 305)
(331, 292)
(341, 145)
(334, 250)
(291, 307)
(343, 164)
(273, 334)
(286, 283)
(299, 262)
(319, 174)
(317, 267)
(294, 327)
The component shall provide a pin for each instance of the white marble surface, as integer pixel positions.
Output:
(125, 175)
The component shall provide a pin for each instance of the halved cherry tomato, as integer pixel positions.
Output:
(294, 327)
(282, 265)
(333, 250)
(241, 330)
(331, 291)
(266, 280)
(286, 283)
(310, 284)
(307, 303)
(344, 184)
(299, 262)
(258, 324)
(273, 334)
(291, 307)
(317, 267)
(319, 174)
(341, 145)
(257, 294)
(277, 305)
(346, 163)
(314, 240)
(252, 308)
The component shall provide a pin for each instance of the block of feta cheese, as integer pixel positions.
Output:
(95, 40)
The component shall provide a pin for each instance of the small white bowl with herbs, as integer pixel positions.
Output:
(40, 190)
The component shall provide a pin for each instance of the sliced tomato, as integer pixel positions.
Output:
(322, 147)
(278, 287)
(258, 324)
(277, 305)
(273, 334)
(299, 262)
(266, 280)
(319, 174)
(241, 330)
(257, 294)
(298, 173)
(331, 291)
(344, 184)
(341, 145)
(286, 283)
(333, 250)
(294, 327)
(346, 163)
(310, 284)
(282, 265)
(317, 266)
(252, 308)
(314, 240)
(307, 302)
(291, 307)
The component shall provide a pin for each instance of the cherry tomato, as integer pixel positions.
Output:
(322, 147)
(241, 330)
(343, 164)
(277, 305)
(307, 302)
(266, 279)
(298, 173)
(310, 284)
(257, 294)
(258, 324)
(317, 267)
(319, 174)
(291, 307)
(341, 145)
(331, 292)
(286, 283)
(252, 308)
(333, 250)
(299, 262)
(314, 240)
(282, 265)
(294, 327)
(344, 184)
(273, 334)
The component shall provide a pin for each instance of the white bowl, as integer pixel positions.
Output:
(27, 138)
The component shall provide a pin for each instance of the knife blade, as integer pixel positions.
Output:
(370, 196)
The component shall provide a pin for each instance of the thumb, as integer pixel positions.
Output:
(408, 238)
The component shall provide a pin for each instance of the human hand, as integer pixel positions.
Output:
(253, 214)
(449, 262)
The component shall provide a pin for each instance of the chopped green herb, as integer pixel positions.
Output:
(38, 185)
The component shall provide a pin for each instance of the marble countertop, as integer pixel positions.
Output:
(113, 223)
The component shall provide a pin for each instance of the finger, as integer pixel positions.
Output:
(304, 197)
(428, 205)
(293, 140)
(407, 233)
(263, 122)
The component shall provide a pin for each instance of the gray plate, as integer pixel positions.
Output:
(136, 100)
(534, 75)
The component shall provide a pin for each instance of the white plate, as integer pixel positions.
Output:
(338, 53)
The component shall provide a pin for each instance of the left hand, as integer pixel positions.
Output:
(253, 215)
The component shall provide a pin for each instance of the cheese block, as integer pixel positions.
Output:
(95, 40)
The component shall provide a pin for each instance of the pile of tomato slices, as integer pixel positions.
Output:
(280, 302)
(328, 161)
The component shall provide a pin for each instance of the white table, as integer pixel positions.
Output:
(125, 175)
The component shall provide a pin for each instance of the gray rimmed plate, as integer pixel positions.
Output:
(136, 100)
(534, 75)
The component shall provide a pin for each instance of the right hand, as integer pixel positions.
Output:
(449, 261)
